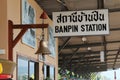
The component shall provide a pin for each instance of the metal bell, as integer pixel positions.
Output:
(43, 48)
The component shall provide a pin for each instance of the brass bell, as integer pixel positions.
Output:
(43, 48)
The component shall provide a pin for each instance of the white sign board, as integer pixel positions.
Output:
(76, 23)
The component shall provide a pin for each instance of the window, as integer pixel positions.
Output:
(31, 70)
(52, 73)
(49, 72)
(22, 69)
(27, 69)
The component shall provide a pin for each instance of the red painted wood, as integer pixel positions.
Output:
(20, 26)
(24, 27)
(10, 40)
(4, 76)
(19, 36)
(43, 15)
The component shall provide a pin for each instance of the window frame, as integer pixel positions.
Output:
(48, 69)
(36, 66)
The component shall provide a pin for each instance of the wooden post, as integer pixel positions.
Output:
(10, 40)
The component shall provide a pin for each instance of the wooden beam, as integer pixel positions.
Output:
(97, 59)
(80, 65)
(69, 61)
(82, 53)
(116, 58)
(80, 58)
(64, 44)
(100, 4)
(15, 41)
(90, 68)
(23, 27)
(94, 63)
(105, 46)
(114, 10)
(114, 29)
(10, 40)
(88, 44)
(105, 49)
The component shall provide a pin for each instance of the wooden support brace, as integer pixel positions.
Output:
(15, 41)
(24, 28)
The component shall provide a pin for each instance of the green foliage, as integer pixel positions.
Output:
(66, 74)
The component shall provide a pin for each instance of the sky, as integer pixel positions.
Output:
(110, 74)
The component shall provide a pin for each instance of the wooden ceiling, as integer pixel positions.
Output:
(73, 52)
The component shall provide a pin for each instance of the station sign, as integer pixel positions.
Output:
(81, 23)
